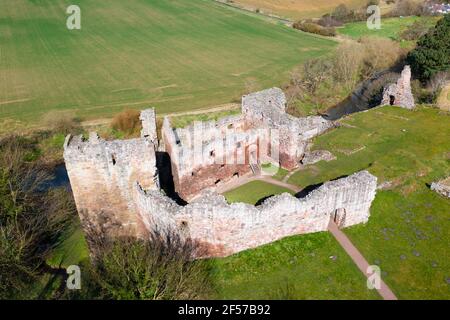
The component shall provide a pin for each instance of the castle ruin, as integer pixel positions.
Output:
(238, 144)
(117, 190)
(400, 94)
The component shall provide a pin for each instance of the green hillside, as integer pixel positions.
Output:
(174, 55)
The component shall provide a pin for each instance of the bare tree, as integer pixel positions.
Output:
(31, 219)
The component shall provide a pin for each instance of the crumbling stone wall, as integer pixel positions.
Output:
(102, 176)
(400, 94)
(442, 187)
(263, 132)
(213, 161)
(116, 188)
(266, 109)
(148, 121)
(222, 229)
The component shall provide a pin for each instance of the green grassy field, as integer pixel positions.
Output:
(311, 266)
(409, 230)
(390, 27)
(254, 191)
(174, 55)
(72, 250)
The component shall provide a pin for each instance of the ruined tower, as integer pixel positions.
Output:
(103, 175)
(400, 94)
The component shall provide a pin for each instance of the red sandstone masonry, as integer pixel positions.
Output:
(105, 176)
(224, 229)
(263, 126)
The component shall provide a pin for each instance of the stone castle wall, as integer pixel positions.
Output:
(213, 161)
(222, 229)
(263, 132)
(116, 187)
(102, 176)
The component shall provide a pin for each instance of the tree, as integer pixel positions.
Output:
(147, 269)
(31, 219)
(406, 8)
(373, 2)
(432, 53)
(415, 31)
(341, 12)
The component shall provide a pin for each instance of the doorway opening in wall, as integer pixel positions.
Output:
(391, 100)
(339, 217)
(236, 175)
(113, 159)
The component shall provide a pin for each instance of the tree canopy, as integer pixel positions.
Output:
(432, 53)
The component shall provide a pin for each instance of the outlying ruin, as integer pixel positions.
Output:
(400, 94)
(117, 191)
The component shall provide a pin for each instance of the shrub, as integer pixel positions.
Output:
(341, 12)
(415, 31)
(61, 121)
(347, 63)
(435, 84)
(154, 269)
(31, 219)
(432, 53)
(315, 28)
(379, 54)
(406, 8)
(421, 94)
(328, 21)
(127, 122)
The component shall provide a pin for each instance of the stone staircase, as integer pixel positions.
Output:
(256, 168)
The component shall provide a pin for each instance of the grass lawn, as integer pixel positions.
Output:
(390, 27)
(311, 266)
(174, 55)
(277, 172)
(72, 249)
(408, 233)
(254, 191)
